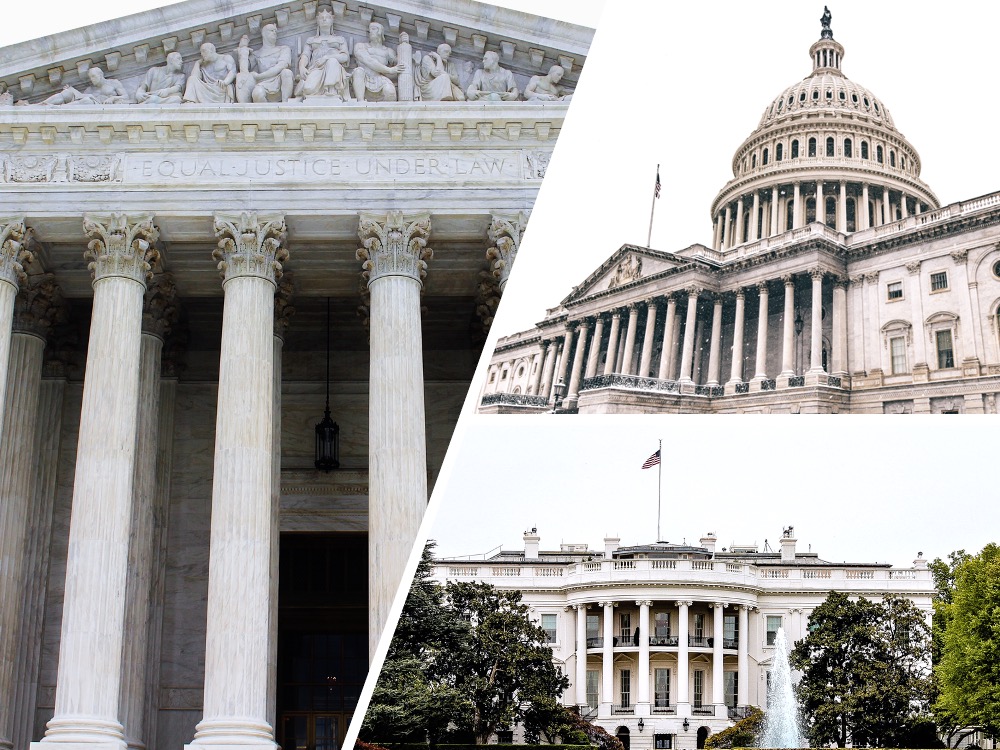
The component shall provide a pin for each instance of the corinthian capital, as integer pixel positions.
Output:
(394, 246)
(39, 305)
(505, 239)
(14, 253)
(250, 244)
(122, 245)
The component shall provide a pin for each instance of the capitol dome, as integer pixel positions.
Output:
(826, 150)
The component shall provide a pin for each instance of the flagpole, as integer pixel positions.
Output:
(652, 209)
(659, 492)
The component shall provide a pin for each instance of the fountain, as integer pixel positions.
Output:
(781, 725)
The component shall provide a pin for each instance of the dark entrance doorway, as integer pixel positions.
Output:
(623, 736)
(322, 637)
(702, 736)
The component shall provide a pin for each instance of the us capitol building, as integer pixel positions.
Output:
(667, 644)
(834, 282)
(210, 486)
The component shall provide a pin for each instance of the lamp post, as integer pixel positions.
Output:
(327, 431)
(560, 391)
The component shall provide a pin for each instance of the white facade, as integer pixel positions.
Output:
(677, 637)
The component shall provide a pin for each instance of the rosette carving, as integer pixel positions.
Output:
(39, 306)
(122, 245)
(394, 246)
(250, 244)
(14, 253)
(505, 238)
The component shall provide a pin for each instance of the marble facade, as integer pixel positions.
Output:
(158, 420)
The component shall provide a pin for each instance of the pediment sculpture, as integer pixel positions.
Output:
(628, 270)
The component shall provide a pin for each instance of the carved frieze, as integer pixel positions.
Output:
(630, 269)
(63, 168)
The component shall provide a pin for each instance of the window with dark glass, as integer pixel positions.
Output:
(945, 349)
(894, 290)
(830, 147)
(939, 281)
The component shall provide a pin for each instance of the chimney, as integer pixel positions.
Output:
(788, 544)
(611, 543)
(708, 542)
(921, 562)
(531, 540)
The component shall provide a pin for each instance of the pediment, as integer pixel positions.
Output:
(629, 265)
(125, 49)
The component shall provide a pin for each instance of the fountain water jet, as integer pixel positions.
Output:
(781, 725)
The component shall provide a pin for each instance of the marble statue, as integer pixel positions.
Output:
(628, 270)
(163, 84)
(100, 91)
(211, 79)
(265, 75)
(546, 88)
(372, 79)
(323, 62)
(825, 21)
(437, 77)
(492, 83)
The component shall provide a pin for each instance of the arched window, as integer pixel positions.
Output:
(789, 215)
(848, 148)
(810, 210)
(779, 152)
(795, 149)
(812, 147)
(830, 149)
(852, 214)
(753, 161)
(765, 159)
(746, 226)
(878, 154)
(892, 158)
(831, 212)
(864, 149)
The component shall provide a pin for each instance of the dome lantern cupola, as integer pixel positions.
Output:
(827, 53)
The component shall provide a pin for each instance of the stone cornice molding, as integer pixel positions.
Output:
(122, 246)
(504, 234)
(394, 245)
(250, 244)
(39, 306)
(159, 311)
(283, 310)
(14, 253)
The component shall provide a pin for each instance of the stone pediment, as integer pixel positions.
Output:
(127, 48)
(629, 264)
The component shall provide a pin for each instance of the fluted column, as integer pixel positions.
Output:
(739, 221)
(608, 660)
(595, 348)
(903, 211)
(797, 206)
(687, 355)
(394, 253)
(760, 365)
(633, 318)
(581, 654)
(581, 344)
(683, 678)
(755, 218)
(90, 646)
(565, 361)
(668, 338)
(820, 203)
(250, 255)
(816, 325)
(550, 348)
(715, 350)
(652, 309)
(609, 362)
(838, 362)
(718, 686)
(788, 329)
(774, 212)
(536, 378)
(842, 209)
(743, 659)
(736, 369)
(642, 705)
(505, 238)
(866, 219)
(727, 228)
(13, 257)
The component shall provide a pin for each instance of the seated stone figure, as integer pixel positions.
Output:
(437, 77)
(100, 91)
(546, 88)
(211, 79)
(372, 79)
(265, 75)
(163, 84)
(323, 62)
(491, 83)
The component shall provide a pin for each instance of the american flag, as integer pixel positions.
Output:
(656, 190)
(652, 460)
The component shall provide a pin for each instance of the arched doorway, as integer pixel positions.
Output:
(703, 733)
(622, 734)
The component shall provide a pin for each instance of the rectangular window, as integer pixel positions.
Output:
(624, 629)
(699, 688)
(662, 625)
(773, 625)
(730, 631)
(661, 688)
(549, 626)
(663, 741)
(939, 281)
(626, 688)
(593, 631)
(895, 290)
(731, 681)
(897, 347)
(593, 680)
(699, 626)
(945, 351)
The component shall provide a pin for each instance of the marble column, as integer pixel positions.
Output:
(687, 355)
(683, 678)
(595, 348)
(32, 308)
(573, 393)
(820, 203)
(920, 364)
(633, 317)
(842, 209)
(250, 255)
(159, 314)
(727, 229)
(736, 369)
(668, 338)
(774, 212)
(743, 660)
(788, 329)
(608, 660)
(536, 378)
(505, 238)
(609, 362)
(581, 654)
(566, 361)
(739, 221)
(865, 216)
(839, 354)
(551, 349)
(797, 206)
(652, 309)
(394, 253)
(13, 257)
(816, 324)
(90, 646)
(760, 365)
(755, 218)
(718, 663)
(715, 351)
(642, 706)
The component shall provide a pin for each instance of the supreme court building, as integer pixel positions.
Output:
(834, 282)
(219, 222)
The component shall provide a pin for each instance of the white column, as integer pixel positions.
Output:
(760, 364)
(581, 344)
(90, 646)
(609, 362)
(774, 212)
(917, 315)
(736, 369)
(797, 206)
(687, 355)
(683, 678)
(581, 654)
(565, 361)
(549, 349)
(668, 338)
(13, 257)
(718, 686)
(717, 233)
(739, 221)
(820, 203)
(633, 316)
(727, 229)
(608, 660)
(788, 330)
(839, 363)
(595, 348)
(743, 660)
(715, 351)
(239, 569)
(505, 238)
(904, 213)
(816, 325)
(642, 705)
(536, 377)
(652, 309)
(754, 218)
(866, 219)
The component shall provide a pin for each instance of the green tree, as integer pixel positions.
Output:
(944, 574)
(744, 733)
(968, 673)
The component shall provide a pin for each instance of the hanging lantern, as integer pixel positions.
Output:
(327, 431)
